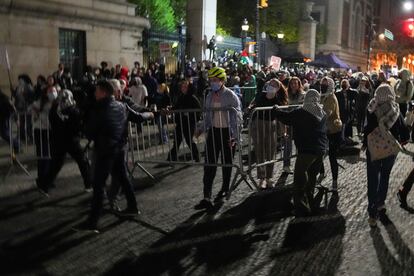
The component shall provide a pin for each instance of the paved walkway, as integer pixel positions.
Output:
(251, 234)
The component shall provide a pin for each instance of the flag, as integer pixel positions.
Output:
(4, 57)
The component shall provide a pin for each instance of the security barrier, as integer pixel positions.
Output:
(28, 137)
(264, 132)
(160, 140)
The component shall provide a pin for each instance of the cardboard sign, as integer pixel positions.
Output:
(275, 62)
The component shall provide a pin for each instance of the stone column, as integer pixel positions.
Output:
(201, 26)
(307, 33)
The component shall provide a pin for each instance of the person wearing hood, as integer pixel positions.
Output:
(309, 133)
(383, 113)
(334, 128)
(65, 136)
(404, 90)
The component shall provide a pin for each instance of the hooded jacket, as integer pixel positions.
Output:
(331, 107)
(404, 87)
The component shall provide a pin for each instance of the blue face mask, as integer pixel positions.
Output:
(215, 86)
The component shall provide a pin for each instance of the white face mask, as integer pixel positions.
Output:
(270, 91)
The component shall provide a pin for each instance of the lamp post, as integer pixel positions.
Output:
(245, 29)
(280, 37)
(264, 48)
(182, 31)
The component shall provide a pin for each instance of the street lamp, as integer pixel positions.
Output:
(263, 35)
(381, 36)
(408, 5)
(219, 38)
(245, 29)
(182, 33)
(280, 35)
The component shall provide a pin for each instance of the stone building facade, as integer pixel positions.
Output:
(39, 34)
(345, 24)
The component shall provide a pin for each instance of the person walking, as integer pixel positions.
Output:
(135, 114)
(383, 116)
(222, 128)
(107, 128)
(309, 134)
(65, 135)
(334, 128)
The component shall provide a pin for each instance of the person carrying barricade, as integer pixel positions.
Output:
(107, 128)
(309, 134)
(263, 132)
(135, 114)
(40, 113)
(222, 130)
(185, 122)
(65, 136)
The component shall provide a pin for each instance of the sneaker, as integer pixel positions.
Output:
(86, 227)
(372, 222)
(382, 215)
(220, 196)
(402, 197)
(204, 204)
(287, 169)
(129, 213)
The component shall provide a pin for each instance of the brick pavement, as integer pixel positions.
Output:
(252, 234)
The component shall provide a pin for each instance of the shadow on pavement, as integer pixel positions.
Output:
(222, 243)
(400, 262)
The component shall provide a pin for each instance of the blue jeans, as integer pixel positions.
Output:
(378, 174)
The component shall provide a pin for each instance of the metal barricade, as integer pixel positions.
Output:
(264, 131)
(246, 94)
(180, 137)
(28, 135)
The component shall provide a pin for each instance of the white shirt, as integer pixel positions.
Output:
(138, 94)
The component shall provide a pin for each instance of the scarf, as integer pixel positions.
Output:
(383, 105)
(65, 101)
(311, 104)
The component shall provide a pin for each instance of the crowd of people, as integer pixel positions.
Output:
(57, 112)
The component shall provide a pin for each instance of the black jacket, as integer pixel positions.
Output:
(309, 134)
(63, 132)
(107, 125)
(347, 104)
